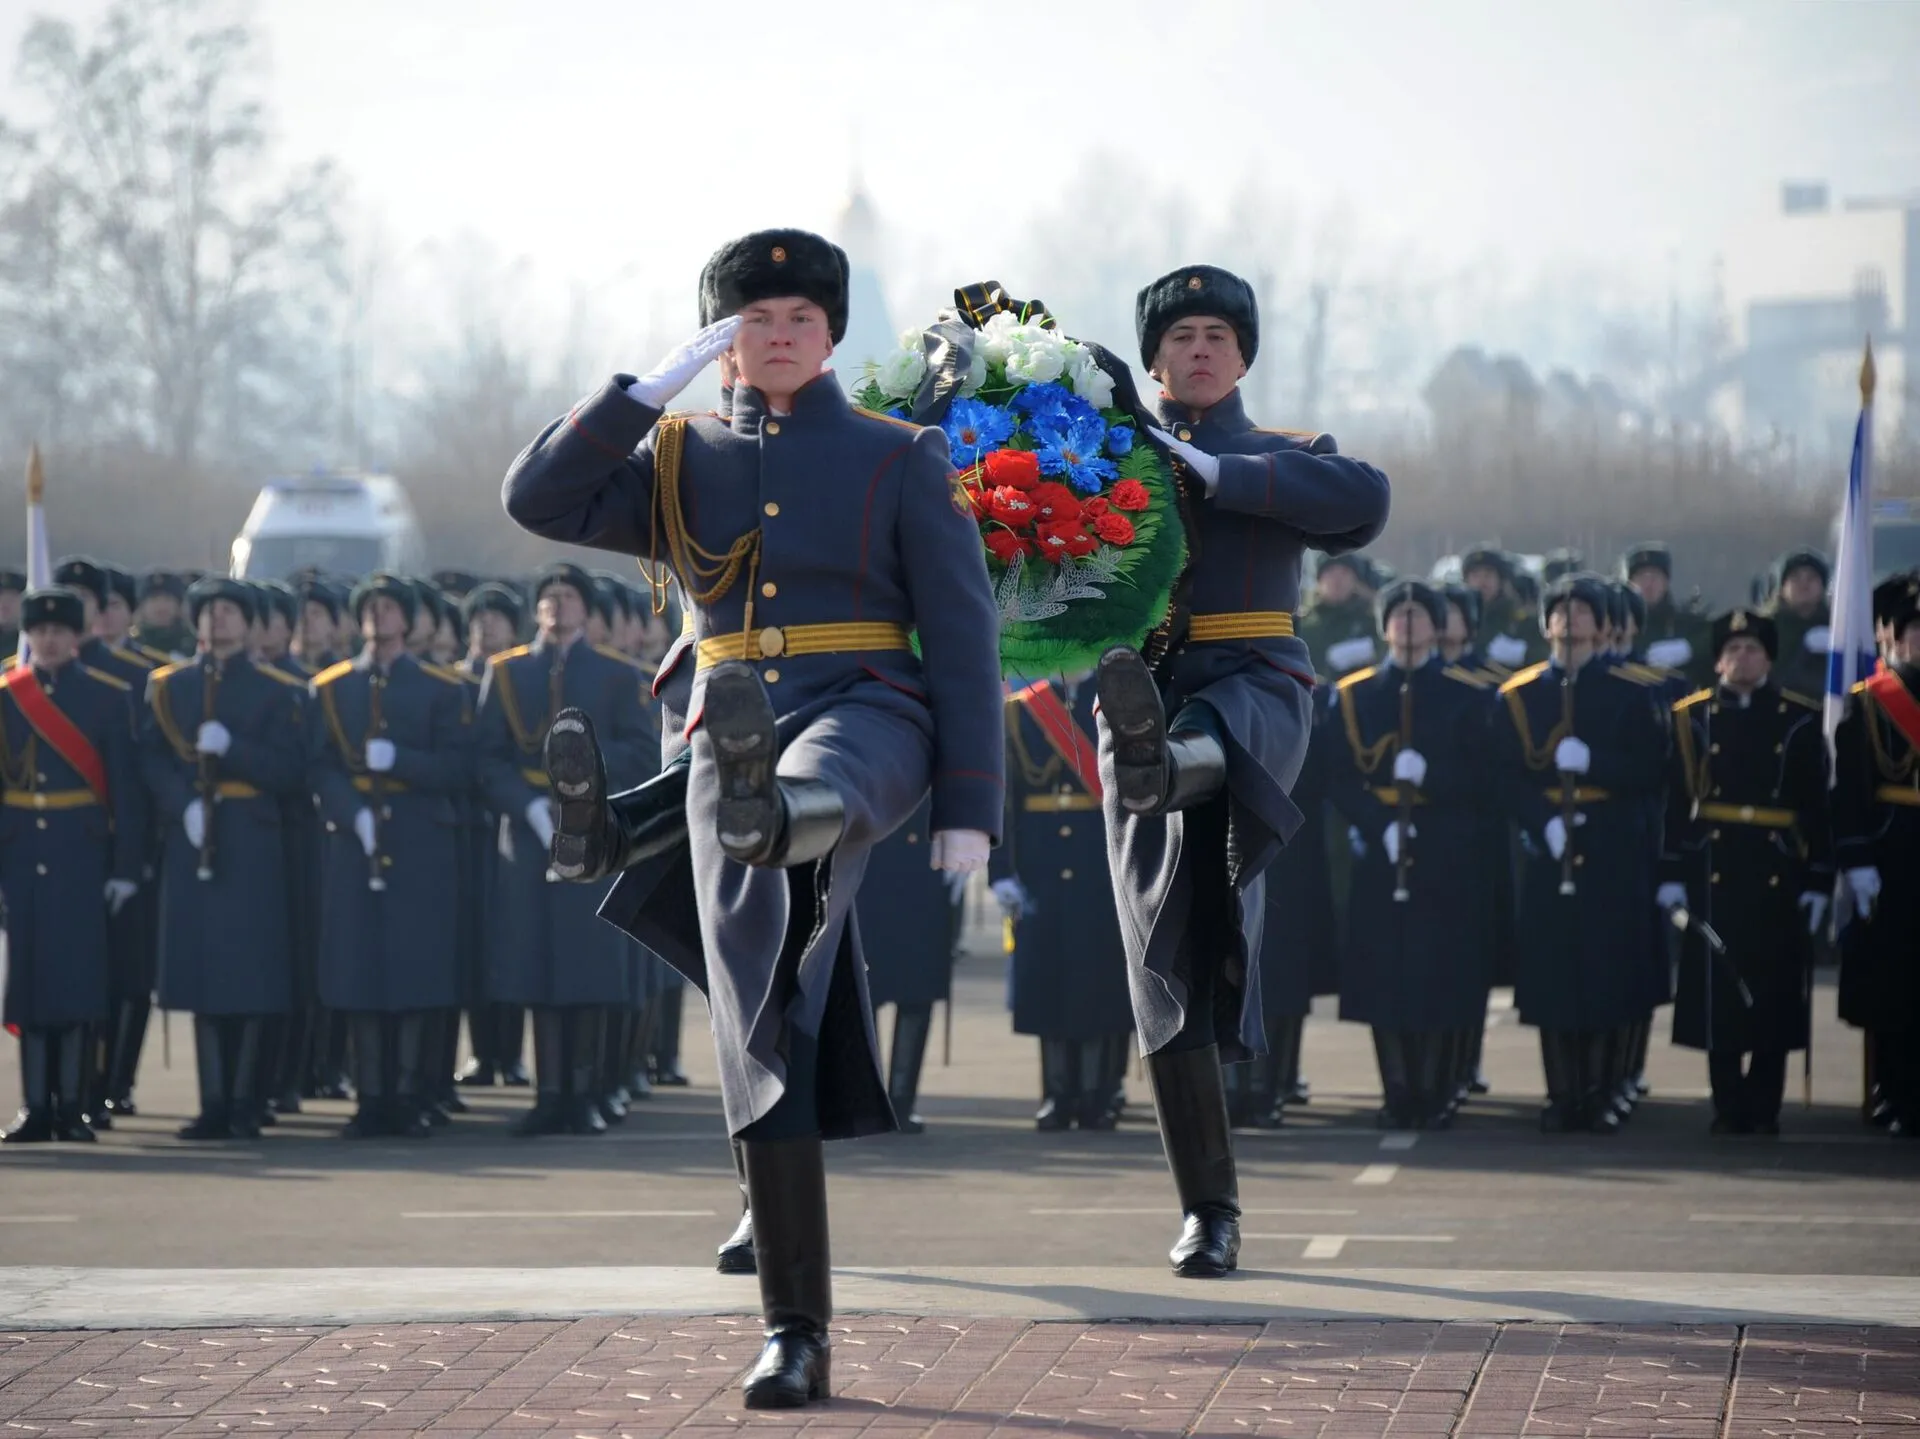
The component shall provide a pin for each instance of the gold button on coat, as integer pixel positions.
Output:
(769, 589)
(773, 427)
(1183, 433)
(772, 677)
(770, 508)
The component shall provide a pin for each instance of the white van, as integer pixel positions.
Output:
(339, 524)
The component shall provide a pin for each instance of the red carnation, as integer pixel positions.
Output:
(1114, 529)
(1094, 508)
(1065, 538)
(1010, 507)
(1131, 495)
(978, 499)
(1007, 547)
(1019, 468)
(1057, 504)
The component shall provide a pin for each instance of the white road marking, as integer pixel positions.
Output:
(1398, 1141)
(558, 1214)
(1901, 1220)
(1377, 1174)
(1324, 1246)
(39, 1219)
(1330, 1246)
(1165, 1209)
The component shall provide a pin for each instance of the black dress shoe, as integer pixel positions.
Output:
(101, 1118)
(245, 1124)
(516, 1075)
(288, 1103)
(1209, 1246)
(122, 1106)
(478, 1074)
(583, 1117)
(548, 1116)
(450, 1102)
(30, 1126)
(736, 1255)
(794, 1369)
(613, 1107)
(1558, 1119)
(211, 1125)
(369, 1123)
(1052, 1116)
(912, 1124)
(670, 1075)
(410, 1119)
(70, 1127)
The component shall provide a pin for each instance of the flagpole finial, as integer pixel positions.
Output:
(1867, 375)
(36, 476)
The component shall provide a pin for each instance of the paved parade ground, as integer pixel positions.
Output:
(991, 1279)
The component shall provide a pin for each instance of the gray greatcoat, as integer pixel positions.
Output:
(1278, 496)
(857, 524)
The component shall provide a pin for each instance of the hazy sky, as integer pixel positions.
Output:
(593, 135)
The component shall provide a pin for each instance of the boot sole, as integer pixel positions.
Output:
(579, 779)
(1191, 1269)
(731, 1262)
(1131, 705)
(739, 721)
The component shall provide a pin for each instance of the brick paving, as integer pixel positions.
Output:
(1008, 1379)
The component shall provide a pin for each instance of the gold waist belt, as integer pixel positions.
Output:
(1058, 803)
(775, 642)
(1389, 794)
(51, 799)
(1898, 794)
(1581, 795)
(1748, 814)
(364, 783)
(1252, 625)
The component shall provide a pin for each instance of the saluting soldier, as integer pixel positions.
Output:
(1069, 982)
(1876, 818)
(1409, 778)
(1199, 751)
(388, 745)
(72, 833)
(1580, 752)
(815, 728)
(547, 950)
(1749, 850)
(221, 750)
(315, 640)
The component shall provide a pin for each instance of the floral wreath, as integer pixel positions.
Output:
(1078, 509)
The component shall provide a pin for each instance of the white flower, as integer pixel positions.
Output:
(1089, 381)
(976, 372)
(899, 375)
(996, 336)
(1035, 356)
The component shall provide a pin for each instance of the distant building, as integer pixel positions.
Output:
(871, 333)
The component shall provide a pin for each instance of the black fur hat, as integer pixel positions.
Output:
(501, 599)
(1802, 560)
(1487, 556)
(773, 264)
(55, 605)
(1629, 606)
(78, 573)
(163, 582)
(203, 592)
(1749, 623)
(1417, 592)
(1467, 600)
(1196, 290)
(1896, 602)
(399, 590)
(1652, 555)
(1590, 590)
(572, 575)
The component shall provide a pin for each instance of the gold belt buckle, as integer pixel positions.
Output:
(1746, 812)
(39, 800)
(772, 642)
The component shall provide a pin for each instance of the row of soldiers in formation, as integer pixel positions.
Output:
(322, 860)
(606, 1013)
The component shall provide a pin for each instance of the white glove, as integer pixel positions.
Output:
(194, 821)
(1669, 654)
(1556, 833)
(1818, 640)
(960, 851)
(1390, 841)
(1012, 897)
(1572, 756)
(673, 374)
(1410, 767)
(540, 820)
(379, 755)
(956, 883)
(503, 841)
(1670, 896)
(1356, 842)
(119, 891)
(214, 738)
(1199, 461)
(1865, 884)
(1815, 904)
(1506, 650)
(1350, 654)
(363, 826)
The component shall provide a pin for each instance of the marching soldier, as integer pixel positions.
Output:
(1069, 981)
(1199, 751)
(496, 1033)
(316, 640)
(1876, 820)
(1798, 607)
(388, 743)
(221, 749)
(815, 728)
(909, 929)
(1580, 752)
(1674, 637)
(1507, 632)
(1419, 946)
(72, 832)
(1337, 627)
(1748, 850)
(13, 584)
(547, 950)
(158, 625)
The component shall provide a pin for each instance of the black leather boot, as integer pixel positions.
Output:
(1194, 1130)
(242, 1038)
(34, 1123)
(736, 1255)
(1156, 769)
(209, 1063)
(596, 834)
(1276, 1068)
(123, 1066)
(408, 1117)
(912, 1024)
(1637, 1069)
(1476, 1050)
(1597, 1089)
(635, 1062)
(1115, 1050)
(665, 1038)
(510, 1035)
(763, 820)
(1562, 1111)
(1626, 1094)
(1094, 1108)
(72, 1073)
(1298, 1090)
(787, 1191)
(443, 1043)
(369, 1040)
(286, 1082)
(1059, 1084)
(1431, 1086)
(1396, 1083)
(585, 1026)
(613, 1070)
(549, 1112)
(482, 1070)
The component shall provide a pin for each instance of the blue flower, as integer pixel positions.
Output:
(1052, 406)
(1072, 450)
(1120, 440)
(973, 428)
